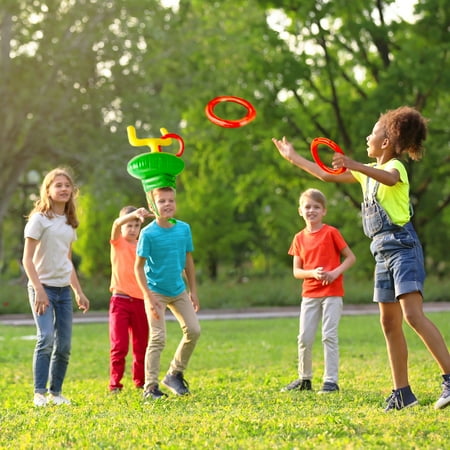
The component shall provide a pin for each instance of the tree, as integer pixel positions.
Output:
(328, 69)
(49, 89)
(352, 61)
(60, 100)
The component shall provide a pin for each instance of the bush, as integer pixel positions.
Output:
(230, 293)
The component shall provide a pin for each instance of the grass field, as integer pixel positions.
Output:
(235, 377)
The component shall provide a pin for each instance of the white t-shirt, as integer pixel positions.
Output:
(51, 257)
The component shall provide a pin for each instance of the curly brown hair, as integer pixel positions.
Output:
(406, 129)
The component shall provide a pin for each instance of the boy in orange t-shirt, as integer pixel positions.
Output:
(321, 256)
(127, 318)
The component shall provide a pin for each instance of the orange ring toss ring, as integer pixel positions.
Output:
(178, 138)
(329, 143)
(209, 110)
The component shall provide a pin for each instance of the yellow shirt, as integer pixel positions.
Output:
(393, 199)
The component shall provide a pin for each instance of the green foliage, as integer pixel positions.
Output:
(75, 74)
(235, 377)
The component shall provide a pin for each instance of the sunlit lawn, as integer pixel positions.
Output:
(235, 377)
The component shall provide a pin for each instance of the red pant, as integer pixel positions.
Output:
(127, 321)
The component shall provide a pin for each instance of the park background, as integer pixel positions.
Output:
(76, 73)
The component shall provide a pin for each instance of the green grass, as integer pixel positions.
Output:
(235, 377)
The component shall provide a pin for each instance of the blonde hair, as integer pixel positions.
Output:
(43, 204)
(313, 194)
(163, 189)
(406, 129)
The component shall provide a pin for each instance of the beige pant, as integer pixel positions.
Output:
(183, 310)
(312, 310)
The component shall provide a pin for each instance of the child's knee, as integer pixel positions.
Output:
(193, 332)
(45, 343)
(157, 340)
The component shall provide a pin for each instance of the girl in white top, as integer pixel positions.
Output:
(47, 260)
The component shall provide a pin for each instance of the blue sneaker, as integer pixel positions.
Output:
(400, 399)
(153, 393)
(298, 385)
(329, 388)
(444, 399)
(176, 383)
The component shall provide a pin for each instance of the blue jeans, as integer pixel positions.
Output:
(54, 337)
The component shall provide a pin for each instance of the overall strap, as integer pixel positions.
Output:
(371, 197)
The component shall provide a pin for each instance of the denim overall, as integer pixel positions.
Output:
(397, 251)
(374, 218)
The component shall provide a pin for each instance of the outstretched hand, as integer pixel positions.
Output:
(285, 148)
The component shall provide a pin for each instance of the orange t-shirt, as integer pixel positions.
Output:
(319, 249)
(123, 256)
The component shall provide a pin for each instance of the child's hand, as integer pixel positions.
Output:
(155, 308)
(142, 214)
(40, 302)
(83, 303)
(284, 147)
(340, 160)
(328, 277)
(195, 301)
(318, 273)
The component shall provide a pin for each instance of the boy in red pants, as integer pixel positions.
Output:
(127, 318)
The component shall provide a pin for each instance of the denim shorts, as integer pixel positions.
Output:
(399, 267)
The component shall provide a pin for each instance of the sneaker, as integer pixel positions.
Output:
(39, 400)
(115, 390)
(59, 400)
(444, 399)
(328, 388)
(176, 383)
(298, 385)
(400, 400)
(153, 393)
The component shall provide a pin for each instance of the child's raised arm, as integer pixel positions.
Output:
(288, 152)
(140, 214)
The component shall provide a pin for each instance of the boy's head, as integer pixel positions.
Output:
(312, 206)
(162, 202)
(130, 230)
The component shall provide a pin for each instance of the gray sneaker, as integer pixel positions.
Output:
(298, 385)
(444, 399)
(176, 383)
(153, 393)
(328, 388)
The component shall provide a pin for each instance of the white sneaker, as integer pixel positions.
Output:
(39, 400)
(59, 400)
(444, 400)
